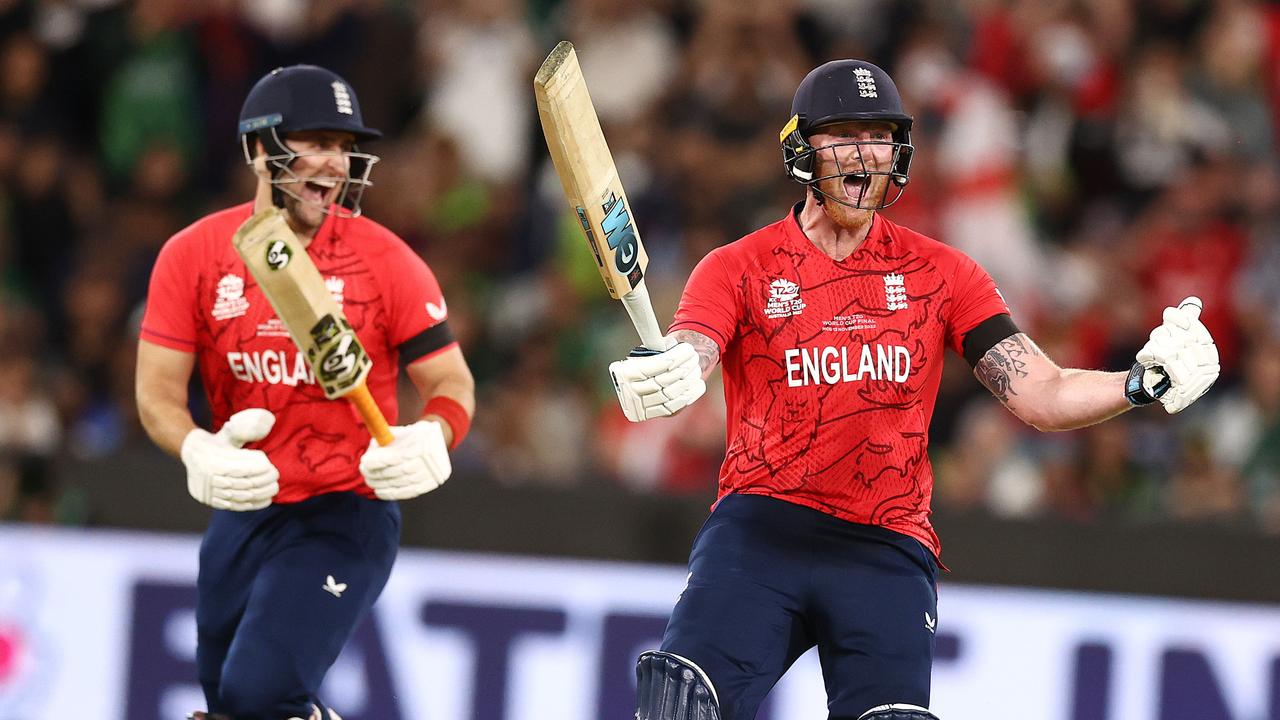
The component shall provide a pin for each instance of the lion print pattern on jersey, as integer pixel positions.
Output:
(841, 382)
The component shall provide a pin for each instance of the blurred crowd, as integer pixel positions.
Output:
(1101, 158)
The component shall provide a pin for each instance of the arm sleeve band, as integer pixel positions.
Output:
(434, 338)
(985, 335)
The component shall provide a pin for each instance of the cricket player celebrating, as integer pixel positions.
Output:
(831, 326)
(305, 525)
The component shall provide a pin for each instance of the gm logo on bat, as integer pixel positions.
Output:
(336, 354)
(278, 255)
(341, 359)
(622, 239)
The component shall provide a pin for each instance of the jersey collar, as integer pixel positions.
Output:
(328, 229)
(791, 228)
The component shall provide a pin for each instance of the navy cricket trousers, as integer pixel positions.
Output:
(280, 591)
(770, 579)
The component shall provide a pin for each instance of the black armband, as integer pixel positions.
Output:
(426, 342)
(985, 335)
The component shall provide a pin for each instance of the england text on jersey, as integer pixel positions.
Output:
(274, 367)
(831, 365)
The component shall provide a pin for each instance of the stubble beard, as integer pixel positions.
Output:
(851, 218)
(304, 217)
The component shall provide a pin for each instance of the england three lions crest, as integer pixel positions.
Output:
(895, 292)
(784, 299)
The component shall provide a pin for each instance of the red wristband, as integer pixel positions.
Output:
(452, 412)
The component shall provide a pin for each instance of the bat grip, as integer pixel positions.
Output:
(640, 308)
(369, 412)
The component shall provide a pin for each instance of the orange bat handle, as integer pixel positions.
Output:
(369, 412)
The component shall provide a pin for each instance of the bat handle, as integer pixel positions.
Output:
(640, 308)
(369, 412)
(262, 197)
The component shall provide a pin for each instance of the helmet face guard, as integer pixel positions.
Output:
(801, 161)
(280, 163)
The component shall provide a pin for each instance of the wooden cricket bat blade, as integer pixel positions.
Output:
(590, 181)
(291, 283)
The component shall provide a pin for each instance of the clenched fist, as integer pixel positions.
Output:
(653, 384)
(221, 473)
(1178, 364)
(416, 462)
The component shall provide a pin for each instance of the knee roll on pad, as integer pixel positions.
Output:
(897, 711)
(669, 687)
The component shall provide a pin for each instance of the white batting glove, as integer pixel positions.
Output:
(416, 462)
(651, 385)
(221, 473)
(1178, 364)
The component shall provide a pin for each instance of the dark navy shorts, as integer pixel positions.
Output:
(770, 579)
(280, 591)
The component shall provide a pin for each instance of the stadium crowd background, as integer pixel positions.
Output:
(1101, 158)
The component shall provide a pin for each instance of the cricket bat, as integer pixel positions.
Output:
(590, 179)
(293, 285)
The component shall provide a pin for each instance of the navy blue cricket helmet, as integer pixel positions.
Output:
(839, 91)
(300, 98)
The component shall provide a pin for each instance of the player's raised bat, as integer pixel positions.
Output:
(590, 179)
(293, 285)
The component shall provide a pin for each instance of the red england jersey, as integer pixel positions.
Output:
(831, 368)
(203, 300)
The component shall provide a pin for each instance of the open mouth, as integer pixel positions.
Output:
(319, 191)
(855, 186)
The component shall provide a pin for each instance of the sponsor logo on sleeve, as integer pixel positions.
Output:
(438, 312)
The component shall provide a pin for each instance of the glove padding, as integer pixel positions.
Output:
(651, 385)
(416, 462)
(1181, 351)
(225, 476)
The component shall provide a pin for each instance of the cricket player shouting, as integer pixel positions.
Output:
(831, 326)
(305, 525)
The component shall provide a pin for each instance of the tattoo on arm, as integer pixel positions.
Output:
(1003, 363)
(708, 351)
